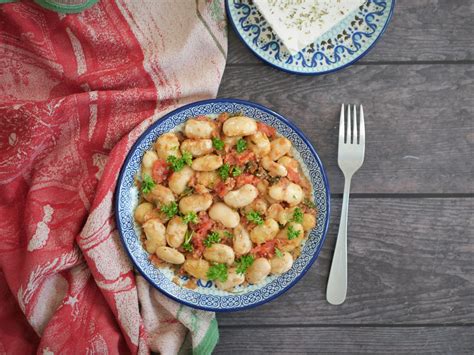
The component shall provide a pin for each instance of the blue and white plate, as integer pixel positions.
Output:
(206, 296)
(344, 44)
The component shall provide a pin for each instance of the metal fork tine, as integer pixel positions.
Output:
(362, 127)
(349, 127)
(355, 135)
(341, 125)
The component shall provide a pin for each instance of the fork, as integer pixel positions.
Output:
(350, 158)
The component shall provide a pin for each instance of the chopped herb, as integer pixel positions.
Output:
(187, 191)
(297, 215)
(278, 253)
(308, 203)
(224, 171)
(212, 238)
(217, 272)
(178, 164)
(190, 217)
(235, 114)
(218, 143)
(273, 179)
(292, 233)
(236, 171)
(228, 234)
(243, 263)
(187, 246)
(147, 184)
(170, 210)
(255, 217)
(241, 145)
(187, 158)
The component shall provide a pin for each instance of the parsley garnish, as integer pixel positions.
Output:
(236, 171)
(212, 238)
(228, 234)
(243, 263)
(308, 203)
(292, 233)
(241, 145)
(187, 191)
(217, 272)
(147, 184)
(297, 215)
(187, 246)
(170, 210)
(224, 171)
(255, 217)
(278, 253)
(190, 217)
(218, 143)
(178, 163)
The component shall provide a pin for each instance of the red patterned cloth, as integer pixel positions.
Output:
(75, 93)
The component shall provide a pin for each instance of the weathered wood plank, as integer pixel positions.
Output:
(324, 340)
(418, 120)
(423, 30)
(410, 262)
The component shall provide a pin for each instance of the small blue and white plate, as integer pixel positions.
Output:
(206, 296)
(344, 44)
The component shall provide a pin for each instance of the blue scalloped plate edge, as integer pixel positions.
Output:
(389, 18)
(282, 119)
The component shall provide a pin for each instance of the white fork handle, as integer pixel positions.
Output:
(337, 282)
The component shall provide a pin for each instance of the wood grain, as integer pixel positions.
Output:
(418, 120)
(410, 262)
(352, 340)
(422, 30)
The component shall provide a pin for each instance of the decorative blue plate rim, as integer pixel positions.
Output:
(282, 119)
(276, 66)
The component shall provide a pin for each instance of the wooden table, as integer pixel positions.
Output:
(411, 243)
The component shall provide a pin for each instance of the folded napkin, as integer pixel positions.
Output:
(75, 93)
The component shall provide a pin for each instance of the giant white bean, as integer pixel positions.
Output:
(281, 264)
(241, 241)
(155, 235)
(239, 126)
(258, 205)
(241, 197)
(176, 231)
(264, 232)
(197, 147)
(286, 191)
(199, 128)
(166, 145)
(274, 211)
(225, 215)
(180, 179)
(259, 144)
(273, 168)
(220, 253)
(195, 203)
(207, 178)
(289, 163)
(291, 244)
(160, 195)
(208, 162)
(149, 158)
(197, 268)
(279, 147)
(309, 221)
(141, 210)
(233, 279)
(258, 271)
(170, 255)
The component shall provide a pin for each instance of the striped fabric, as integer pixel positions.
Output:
(75, 93)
